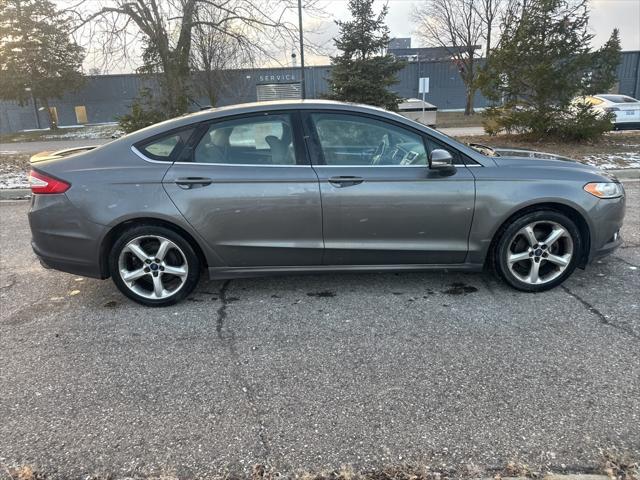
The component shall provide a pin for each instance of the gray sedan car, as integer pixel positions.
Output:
(313, 186)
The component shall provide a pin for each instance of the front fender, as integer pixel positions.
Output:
(498, 200)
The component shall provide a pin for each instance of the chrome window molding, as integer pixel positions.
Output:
(147, 159)
(391, 166)
(239, 164)
(150, 160)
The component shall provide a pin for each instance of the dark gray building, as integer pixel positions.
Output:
(107, 96)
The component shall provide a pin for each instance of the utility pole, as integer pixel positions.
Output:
(35, 107)
(302, 82)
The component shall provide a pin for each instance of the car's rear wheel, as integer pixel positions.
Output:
(538, 251)
(154, 266)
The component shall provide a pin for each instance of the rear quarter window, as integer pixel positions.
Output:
(165, 147)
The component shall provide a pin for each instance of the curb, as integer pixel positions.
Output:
(15, 194)
(554, 476)
(626, 174)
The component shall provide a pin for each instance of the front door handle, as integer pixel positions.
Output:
(345, 181)
(193, 182)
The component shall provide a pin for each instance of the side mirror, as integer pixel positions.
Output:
(440, 159)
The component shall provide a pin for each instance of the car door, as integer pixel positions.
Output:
(381, 203)
(246, 186)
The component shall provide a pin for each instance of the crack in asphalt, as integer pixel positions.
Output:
(222, 310)
(11, 281)
(601, 316)
(229, 339)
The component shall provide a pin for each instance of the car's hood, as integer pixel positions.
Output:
(518, 152)
(509, 157)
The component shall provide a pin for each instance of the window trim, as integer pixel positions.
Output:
(315, 149)
(297, 138)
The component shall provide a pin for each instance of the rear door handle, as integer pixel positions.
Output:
(345, 181)
(193, 182)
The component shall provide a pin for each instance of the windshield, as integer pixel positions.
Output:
(618, 98)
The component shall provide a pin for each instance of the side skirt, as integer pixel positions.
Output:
(220, 273)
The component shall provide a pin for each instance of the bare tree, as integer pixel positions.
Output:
(461, 26)
(457, 26)
(488, 11)
(215, 53)
(167, 29)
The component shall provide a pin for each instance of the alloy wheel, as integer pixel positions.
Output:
(539, 252)
(153, 267)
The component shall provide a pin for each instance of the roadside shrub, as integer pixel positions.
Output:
(584, 123)
(143, 113)
(139, 118)
(577, 122)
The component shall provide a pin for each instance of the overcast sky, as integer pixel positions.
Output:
(605, 16)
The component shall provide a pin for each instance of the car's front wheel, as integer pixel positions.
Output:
(538, 250)
(154, 265)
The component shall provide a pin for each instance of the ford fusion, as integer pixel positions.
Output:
(313, 186)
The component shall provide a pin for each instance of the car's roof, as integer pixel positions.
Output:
(257, 107)
(241, 108)
(616, 98)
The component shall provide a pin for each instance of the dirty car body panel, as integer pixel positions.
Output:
(252, 205)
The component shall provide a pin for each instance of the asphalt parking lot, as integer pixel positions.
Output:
(312, 372)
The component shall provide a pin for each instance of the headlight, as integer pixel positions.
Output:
(605, 189)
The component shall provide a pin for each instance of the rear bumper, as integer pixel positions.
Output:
(621, 125)
(62, 238)
(67, 265)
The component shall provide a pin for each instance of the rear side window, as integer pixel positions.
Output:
(253, 140)
(167, 147)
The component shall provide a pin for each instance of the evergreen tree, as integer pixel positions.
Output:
(364, 71)
(540, 68)
(605, 61)
(37, 56)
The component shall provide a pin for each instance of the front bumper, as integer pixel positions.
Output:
(606, 218)
(608, 248)
(62, 238)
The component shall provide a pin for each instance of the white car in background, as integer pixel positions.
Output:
(625, 109)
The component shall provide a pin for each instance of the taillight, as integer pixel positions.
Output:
(43, 184)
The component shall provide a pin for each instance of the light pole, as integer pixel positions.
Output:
(302, 82)
(35, 107)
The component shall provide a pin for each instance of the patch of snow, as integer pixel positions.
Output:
(613, 161)
(12, 176)
(102, 124)
(99, 131)
(8, 152)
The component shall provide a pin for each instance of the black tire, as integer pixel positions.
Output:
(189, 281)
(505, 243)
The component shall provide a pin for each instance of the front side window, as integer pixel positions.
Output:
(259, 140)
(355, 140)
